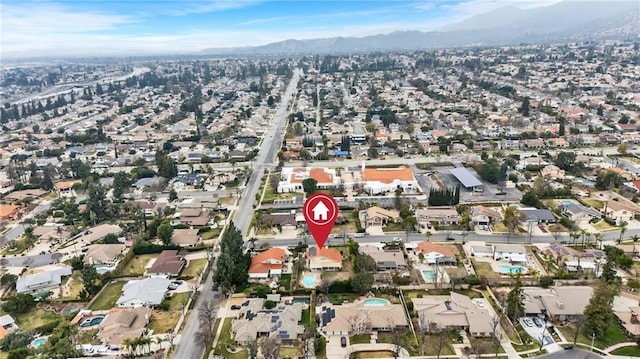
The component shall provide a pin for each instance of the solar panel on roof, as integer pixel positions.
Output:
(465, 177)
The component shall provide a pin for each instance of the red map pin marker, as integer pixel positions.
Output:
(320, 212)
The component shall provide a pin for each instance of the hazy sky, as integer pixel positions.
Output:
(144, 26)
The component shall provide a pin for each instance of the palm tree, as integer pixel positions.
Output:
(128, 344)
(583, 233)
(428, 235)
(634, 238)
(623, 229)
(574, 236)
(599, 238)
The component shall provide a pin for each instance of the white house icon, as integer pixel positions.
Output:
(320, 212)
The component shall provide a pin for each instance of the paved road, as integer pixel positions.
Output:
(17, 231)
(29, 261)
(188, 348)
(470, 237)
(266, 156)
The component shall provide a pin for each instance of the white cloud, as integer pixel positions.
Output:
(202, 6)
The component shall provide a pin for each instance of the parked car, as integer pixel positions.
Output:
(358, 235)
(343, 342)
(245, 303)
(173, 286)
(235, 307)
(537, 322)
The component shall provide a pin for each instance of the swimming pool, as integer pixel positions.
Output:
(103, 270)
(89, 322)
(512, 269)
(429, 275)
(38, 342)
(309, 280)
(375, 302)
(303, 300)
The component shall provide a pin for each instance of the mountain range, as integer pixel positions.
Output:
(563, 21)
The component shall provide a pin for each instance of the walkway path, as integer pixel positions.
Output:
(620, 345)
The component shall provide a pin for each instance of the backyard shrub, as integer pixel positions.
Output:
(341, 286)
(269, 304)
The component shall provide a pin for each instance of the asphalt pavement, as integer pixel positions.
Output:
(187, 348)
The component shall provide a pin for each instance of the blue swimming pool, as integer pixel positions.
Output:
(429, 275)
(309, 280)
(512, 269)
(90, 322)
(375, 302)
(38, 342)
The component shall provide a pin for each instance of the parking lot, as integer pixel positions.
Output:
(535, 327)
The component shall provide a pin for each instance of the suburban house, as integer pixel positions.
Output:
(436, 313)
(267, 264)
(559, 251)
(381, 180)
(65, 187)
(148, 292)
(339, 320)
(559, 304)
(482, 251)
(619, 211)
(537, 216)
(104, 254)
(7, 324)
(292, 178)
(438, 216)
(98, 233)
(185, 237)
(42, 281)
(385, 260)
(168, 264)
(123, 323)
(280, 323)
(552, 172)
(577, 212)
(323, 259)
(485, 216)
(8, 211)
(435, 254)
(630, 320)
(376, 216)
(283, 221)
(513, 253)
(192, 216)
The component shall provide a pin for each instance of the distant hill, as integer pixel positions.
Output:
(564, 21)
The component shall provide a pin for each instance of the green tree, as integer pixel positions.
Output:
(566, 160)
(233, 264)
(121, 182)
(599, 312)
(512, 220)
(310, 186)
(173, 195)
(90, 279)
(97, 210)
(362, 282)
(15, 339)
(608, 180)
(19, 303)
(372, 152)
(515, 304)
(165, 232)
(524, 108)
(364, 263)
(353, 247)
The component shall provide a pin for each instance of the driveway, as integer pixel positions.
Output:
(334, 349)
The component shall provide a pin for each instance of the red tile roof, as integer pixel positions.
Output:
(428, 247)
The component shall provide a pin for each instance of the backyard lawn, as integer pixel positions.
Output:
(35, 317)
(194, 268)
(290, 352)
(135, 267)
(210, 234)
(108, 296)
(484, 269)
(225, 342)
(162, 322)
(594, 203)
(306, 318)
(75, 285)
(285, 281)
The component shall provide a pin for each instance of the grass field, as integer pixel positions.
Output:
(19, 247)
(225, 341)
(290, 352)
(594, 203)
(210, 234)
(194, 268)
(76, 285)
(135, 267)
(627, 351)
(360, 339)
(613, 335)
(603, 226)
(484, 269)
(108, 297)
(372, 354)
(35, 317)
(162, 321)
